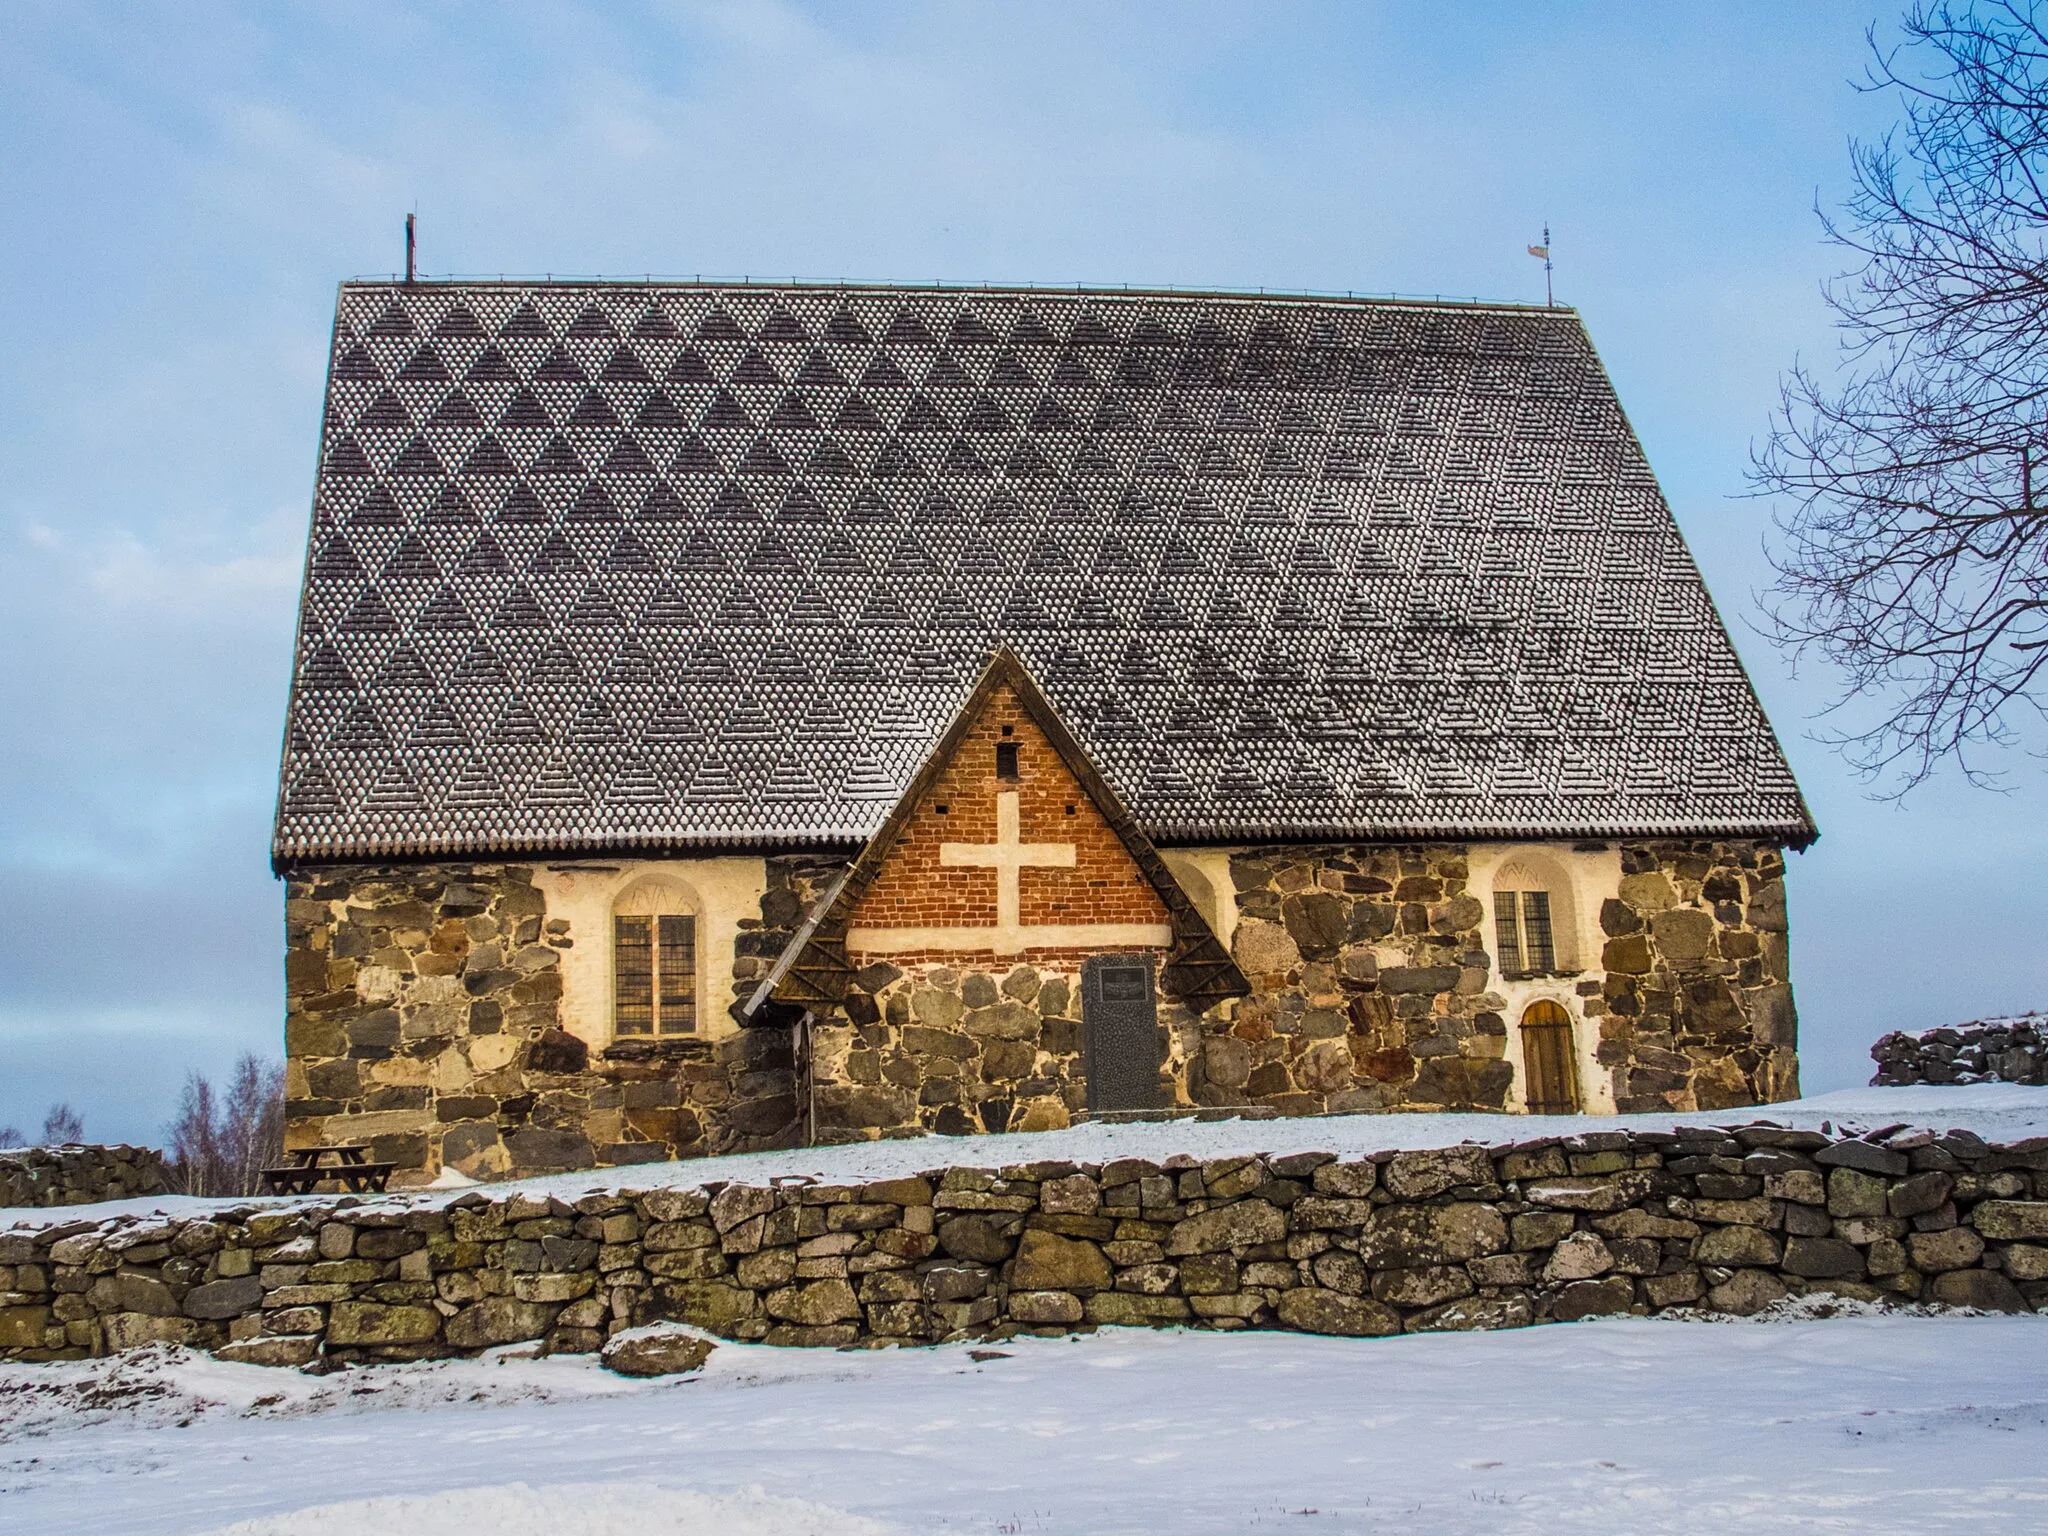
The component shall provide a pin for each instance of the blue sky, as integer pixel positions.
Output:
(185, 184)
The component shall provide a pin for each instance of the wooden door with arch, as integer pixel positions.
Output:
(1550, 1070)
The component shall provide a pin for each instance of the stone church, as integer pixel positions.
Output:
(728, 716)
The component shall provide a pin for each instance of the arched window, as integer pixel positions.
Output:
(654, 960)
(1532, 921)
(1550, 1077)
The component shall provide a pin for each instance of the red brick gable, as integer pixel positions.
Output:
(987, 878)
(973, 838)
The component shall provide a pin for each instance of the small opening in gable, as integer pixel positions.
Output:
(1006, 760)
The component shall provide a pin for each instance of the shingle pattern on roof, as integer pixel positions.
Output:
(669, 565)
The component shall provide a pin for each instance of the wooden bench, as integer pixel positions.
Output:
(305, 1171)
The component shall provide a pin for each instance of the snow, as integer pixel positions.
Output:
(644, 1509)
(1850, 1424)
(1862, 1422)
(2001, 1112)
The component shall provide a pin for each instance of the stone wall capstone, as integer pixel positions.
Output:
(1727, 1220)
(79, 1174)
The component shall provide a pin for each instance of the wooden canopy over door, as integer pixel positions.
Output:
(1549, 1060)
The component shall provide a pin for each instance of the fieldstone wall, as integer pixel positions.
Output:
(2007, 1050)
(1373, 988)
(425, 1014)
(1369, 986)
(1460, 1238)
(423, 1020)
(956, 1050)
(1695, 1006)
(79, 1175)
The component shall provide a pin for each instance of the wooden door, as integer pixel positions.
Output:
(1120, 1019)
(1550, 1078)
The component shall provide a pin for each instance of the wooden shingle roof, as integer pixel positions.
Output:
(652, 566)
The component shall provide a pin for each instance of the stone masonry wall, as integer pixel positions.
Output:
(2007, 1050)
(1373, 987)
(1460, 1238)
(424, 1014)
(423, 1021)
(79, 1175)
(1696, 1008)
(958, 1050)
(915, 887)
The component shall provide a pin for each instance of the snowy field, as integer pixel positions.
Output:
(1893, 1423)
(2000, 1112)
(1860, 1423)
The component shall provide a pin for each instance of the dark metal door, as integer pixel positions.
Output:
(1120, 1018)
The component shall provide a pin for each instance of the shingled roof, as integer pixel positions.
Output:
(647, 566)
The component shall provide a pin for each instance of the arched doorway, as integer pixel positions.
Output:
(1550, 1079)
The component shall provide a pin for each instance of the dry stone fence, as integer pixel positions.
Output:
(1728, 1220)
(79, 1175)
(2007, 1050)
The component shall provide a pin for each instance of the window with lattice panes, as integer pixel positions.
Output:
(1521, 921)
(654, 975)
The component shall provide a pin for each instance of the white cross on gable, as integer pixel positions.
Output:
(1007, 855)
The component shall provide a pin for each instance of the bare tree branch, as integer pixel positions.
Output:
(1913, 553)
(220, 1144)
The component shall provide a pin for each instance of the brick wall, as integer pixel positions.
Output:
(914, 890)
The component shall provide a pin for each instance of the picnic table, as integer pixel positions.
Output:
(304, 1170)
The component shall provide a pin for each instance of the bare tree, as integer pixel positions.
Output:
(191, 1140)
(62, 1125)
(218, 1144)
(253, 1125)
(10, 1137)
(1914, 547)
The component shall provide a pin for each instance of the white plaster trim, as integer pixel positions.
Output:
(1205, 872)
(1011, 938)
(723, 891)
(1584, 880)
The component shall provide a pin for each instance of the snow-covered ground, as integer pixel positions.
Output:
(1861, 1423)
(1865, 1423)
(1999, 1112)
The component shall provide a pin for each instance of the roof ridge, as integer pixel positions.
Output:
(949, 286)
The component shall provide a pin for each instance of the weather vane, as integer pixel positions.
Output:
(1543, 252)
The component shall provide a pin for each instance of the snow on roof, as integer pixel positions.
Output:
(652, 565)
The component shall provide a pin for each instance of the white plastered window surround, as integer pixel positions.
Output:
(1539, 936)
(723, 891)
(673, 1002)
(1575, 880)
